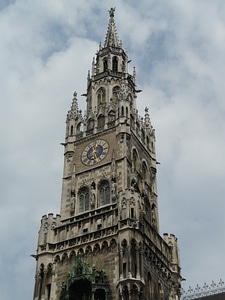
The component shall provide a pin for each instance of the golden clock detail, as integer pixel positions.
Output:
(95, 152)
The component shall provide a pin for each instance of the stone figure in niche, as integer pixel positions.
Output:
(124, 203)
(46, 226)
(153, 216)
(124, 208)
(93, 197)
(134, 185)
(132, 201)
(72, 202)
(113, 191)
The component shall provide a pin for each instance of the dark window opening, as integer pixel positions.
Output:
(124, 270)
(71, 130)
(104, 193)
(105, 65)
(115, 64)
(132, 213)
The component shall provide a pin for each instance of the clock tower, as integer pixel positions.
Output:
(105, 244)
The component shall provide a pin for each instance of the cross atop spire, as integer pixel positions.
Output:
(111, 39)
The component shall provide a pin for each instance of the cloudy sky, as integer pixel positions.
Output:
(178, 48)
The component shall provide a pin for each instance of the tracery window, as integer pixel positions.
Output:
(104, 193)
(84, 199)
(101, 95)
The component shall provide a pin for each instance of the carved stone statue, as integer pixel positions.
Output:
(72, 202)
(92, 197)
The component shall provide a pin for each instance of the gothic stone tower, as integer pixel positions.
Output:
(105, 244)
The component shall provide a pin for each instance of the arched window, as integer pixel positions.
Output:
(135, 159)
(84, 199)
(105, 64)
(101, 97)
(125, 293)
(144, 170)
(133, 252)
(160, 291)
(90, 124)
(104, 193)
(150, 286)
(147, 209)
(115, 64)
(71, 130)
(134, 292)
(122, 111)
(115, 94)
(101, 121)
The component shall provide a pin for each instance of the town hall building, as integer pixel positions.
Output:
(105, 244)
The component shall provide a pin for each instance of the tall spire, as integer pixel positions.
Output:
(111, 39)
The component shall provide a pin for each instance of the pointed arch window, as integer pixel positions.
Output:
(101, 121)
(135, 159)
(90, 124)
(115, 64)
(71, 130)
(115, 94)
(101, 95)
(111, 119)
(144, 170)
(84, 199)
(105, 65)
(122, 111)
(104, 193)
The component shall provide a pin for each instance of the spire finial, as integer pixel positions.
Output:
(111, 39)
(111, 12)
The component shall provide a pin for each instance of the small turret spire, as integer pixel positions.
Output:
(111, 39)
(73, 112)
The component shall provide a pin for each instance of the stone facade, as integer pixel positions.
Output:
(105, 244)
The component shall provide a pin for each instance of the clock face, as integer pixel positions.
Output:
(95, 152)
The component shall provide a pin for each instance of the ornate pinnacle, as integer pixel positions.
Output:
(73, 112)
(111, 39)
(111, 12)
(147, 118)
